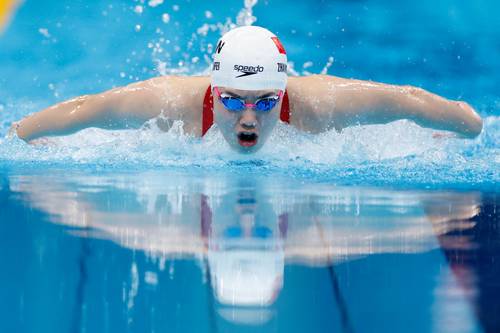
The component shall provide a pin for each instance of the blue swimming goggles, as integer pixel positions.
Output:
(265, 104)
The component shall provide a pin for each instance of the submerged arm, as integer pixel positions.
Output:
(120, 108)
(323, 102)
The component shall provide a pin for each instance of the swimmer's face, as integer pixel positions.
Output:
(247, 130)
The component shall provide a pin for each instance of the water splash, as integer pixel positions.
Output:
(245, 16)
(396, 153)
(400, 152)
(199, 45)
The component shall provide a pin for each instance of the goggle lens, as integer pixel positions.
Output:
(235, 104)
(266, 104)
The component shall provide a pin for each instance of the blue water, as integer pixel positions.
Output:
(379, 228)
(167, 251)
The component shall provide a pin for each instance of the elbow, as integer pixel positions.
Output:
(474, 123)
(474, 129)
(478, 126)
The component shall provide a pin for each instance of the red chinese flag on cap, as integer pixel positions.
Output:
(280, 47)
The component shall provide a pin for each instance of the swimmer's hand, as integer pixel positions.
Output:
(443, 135)
(12, 133)
(42, 141)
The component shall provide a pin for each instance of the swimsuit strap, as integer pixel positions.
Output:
(285, 109)
(207, 118)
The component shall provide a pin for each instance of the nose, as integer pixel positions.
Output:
(248, 125)
(248, 120)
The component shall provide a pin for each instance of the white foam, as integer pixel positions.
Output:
(399, 147)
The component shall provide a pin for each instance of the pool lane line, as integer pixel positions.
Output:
(81, 284)
(210, 298)
(337, 293)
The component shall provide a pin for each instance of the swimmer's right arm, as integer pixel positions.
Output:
(113, 109)
(119, 108)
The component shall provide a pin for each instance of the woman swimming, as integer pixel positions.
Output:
(246, 95)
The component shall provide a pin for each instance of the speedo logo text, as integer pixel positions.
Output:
(248, 70)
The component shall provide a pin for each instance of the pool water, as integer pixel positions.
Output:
(376, 229)
(169, 251)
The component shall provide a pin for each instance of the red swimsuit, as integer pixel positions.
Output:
(208, 111)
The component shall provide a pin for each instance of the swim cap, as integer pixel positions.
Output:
(249, 58)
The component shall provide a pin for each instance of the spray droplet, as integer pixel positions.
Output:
(307, 64)
(154, 3)
(44, 32)
(138, 9)
(165, 18)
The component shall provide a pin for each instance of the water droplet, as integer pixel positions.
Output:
(44, 32)
(138, 9)
(154, 3)
(307, 64)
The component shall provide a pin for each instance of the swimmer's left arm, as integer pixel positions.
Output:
(322, 102)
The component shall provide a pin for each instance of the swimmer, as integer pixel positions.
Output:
(247, 94)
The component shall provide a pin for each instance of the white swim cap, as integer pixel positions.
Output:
(249, 58)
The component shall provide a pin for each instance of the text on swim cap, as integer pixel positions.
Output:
(241, 68)
(248, 70)
(219, 46)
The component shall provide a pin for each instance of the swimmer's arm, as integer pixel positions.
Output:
(339, 103)
(114, 109)
(120, 108)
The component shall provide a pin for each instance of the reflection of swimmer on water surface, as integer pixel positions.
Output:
(244, 233)
(245, 248)
(316, 229)
(247, 94)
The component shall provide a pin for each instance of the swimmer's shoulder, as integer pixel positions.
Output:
(176, 98)
(303, 88)
(312, 98)
(171, 84)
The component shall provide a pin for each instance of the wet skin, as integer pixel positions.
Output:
(246, 131)
(318, 103)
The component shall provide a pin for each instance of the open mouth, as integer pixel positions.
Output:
(247, 139)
